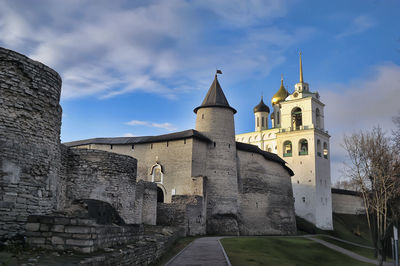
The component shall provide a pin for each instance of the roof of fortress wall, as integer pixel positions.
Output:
(191, 133)
(267, 155)
(346, 192)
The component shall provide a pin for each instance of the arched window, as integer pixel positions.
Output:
(287, 149)
(297, 120)
(249, 140)
(317, 118)
(319, 148)
(269, 149)
(258, 121)
(303, 147)
(160, 195)
(325, 150)
(262, 122)
(157, 174)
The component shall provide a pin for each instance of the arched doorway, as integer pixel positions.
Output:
(160, 195)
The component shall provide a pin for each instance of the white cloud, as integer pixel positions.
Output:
(166, 126)
(161, 47)
(357, 26)
(360, 105)
(129, 135)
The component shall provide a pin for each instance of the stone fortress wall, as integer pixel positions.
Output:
(264, 191)
(30, 120)
(347, 202)
(38, 175)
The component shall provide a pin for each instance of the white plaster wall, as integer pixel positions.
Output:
(260, 116)
(175, 157)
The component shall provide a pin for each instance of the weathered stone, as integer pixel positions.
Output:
(79, 242)
(57, 228)
(55, 240)
(32, 226)
(77, 229)
(36, 240)
(44, 227)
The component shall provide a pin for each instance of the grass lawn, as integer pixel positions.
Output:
(368, 253)
(353, 228)
(282, 251)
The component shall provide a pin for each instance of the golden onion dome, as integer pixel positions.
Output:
(280, 95)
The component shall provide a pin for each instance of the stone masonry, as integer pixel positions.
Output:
(30, 120)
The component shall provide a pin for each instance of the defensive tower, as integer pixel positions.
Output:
(30, 120)
(215, 120)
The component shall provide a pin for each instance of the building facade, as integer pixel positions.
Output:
(240, 189)
(298, 135)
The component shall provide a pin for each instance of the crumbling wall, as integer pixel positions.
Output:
(149, 207)
(79, 234)
(186, 211)
(30, 120)
(266, 203)
(100, 175)
(146, 202)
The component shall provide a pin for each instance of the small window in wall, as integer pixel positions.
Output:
(258, 121)
(325, 150)
(133, 146)
(184, 141)
(111, 147)
(319, 148)
(303, 147)
(151, 146)
(287, 149)
(202, 116)
(262, 121)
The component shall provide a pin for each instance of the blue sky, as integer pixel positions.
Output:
(141, 67)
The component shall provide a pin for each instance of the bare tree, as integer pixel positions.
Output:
(345, 184)
(373, 167)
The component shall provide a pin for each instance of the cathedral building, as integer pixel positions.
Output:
(298, 135)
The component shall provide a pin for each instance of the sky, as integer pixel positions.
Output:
(134, 68)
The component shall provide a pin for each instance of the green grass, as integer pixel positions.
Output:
(175, 249)
(353, 228)
(282, 251)
(366, 252)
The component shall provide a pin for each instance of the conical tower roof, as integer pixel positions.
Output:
(261, 107)
(215, 97)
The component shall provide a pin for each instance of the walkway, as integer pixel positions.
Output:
(202, 251)
(345, 251)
